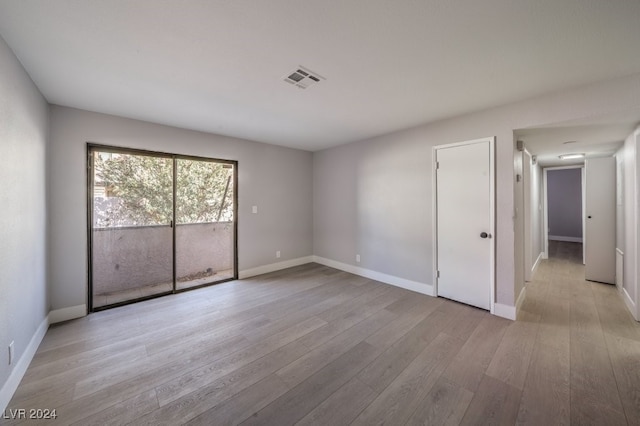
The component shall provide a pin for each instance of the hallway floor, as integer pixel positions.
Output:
(585, 362)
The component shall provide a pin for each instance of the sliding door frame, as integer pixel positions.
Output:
(92, 147)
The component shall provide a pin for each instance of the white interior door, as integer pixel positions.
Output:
(464, 208)
(600, 203)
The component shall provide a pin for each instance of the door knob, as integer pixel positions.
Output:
(484, 235)
(588, 217)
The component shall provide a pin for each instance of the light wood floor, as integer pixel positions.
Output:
(312, 345)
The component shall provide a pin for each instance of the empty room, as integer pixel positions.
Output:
(329, 213)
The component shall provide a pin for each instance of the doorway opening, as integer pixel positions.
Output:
(564, 212)
(158, 224)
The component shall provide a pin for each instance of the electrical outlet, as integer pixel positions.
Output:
(254, 209)
(278, 254)
(11, 353)
(358, 258)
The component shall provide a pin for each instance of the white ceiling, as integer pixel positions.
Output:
(594, 136)
(217, 65)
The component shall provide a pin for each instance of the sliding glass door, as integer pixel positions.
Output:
(159, 223)
(205, 231)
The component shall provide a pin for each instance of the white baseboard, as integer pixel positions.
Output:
(630, 303)
(536, 263)
(59, 315)
(10, 386)
(619, 268)
(504, 311)
(418, 287)
(66, 314)
(272, 267)
(521, 298)
(566, 239)
(510, 312)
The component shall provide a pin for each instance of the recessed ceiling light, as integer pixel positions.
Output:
(570, 156)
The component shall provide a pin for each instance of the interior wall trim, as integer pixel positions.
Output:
(416, 286)
(66, 314)
(537, 263)
(505, 311)
(10, 386)
(272, 267)
(565, 239)
(630, 304)
(521, 297)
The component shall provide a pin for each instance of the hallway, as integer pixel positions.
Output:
(585, 363)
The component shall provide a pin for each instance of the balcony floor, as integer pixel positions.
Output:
(114, 297)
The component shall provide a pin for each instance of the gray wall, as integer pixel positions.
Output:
(276, 179)
(373, 197)
(564, 198)
(23, 269)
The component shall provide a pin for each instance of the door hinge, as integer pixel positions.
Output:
(437, 165)
(438, 274)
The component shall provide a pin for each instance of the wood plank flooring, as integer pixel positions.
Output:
(315, 346)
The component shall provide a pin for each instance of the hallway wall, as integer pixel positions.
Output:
(628, 216)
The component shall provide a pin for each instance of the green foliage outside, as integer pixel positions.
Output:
(138, 191)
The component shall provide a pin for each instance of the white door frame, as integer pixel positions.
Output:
(635, 228)
(492, 195)
(545, 207)
(526, 195)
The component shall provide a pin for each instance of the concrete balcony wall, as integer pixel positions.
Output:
(125, 258)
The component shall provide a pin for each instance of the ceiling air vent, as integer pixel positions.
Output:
(303, 78)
